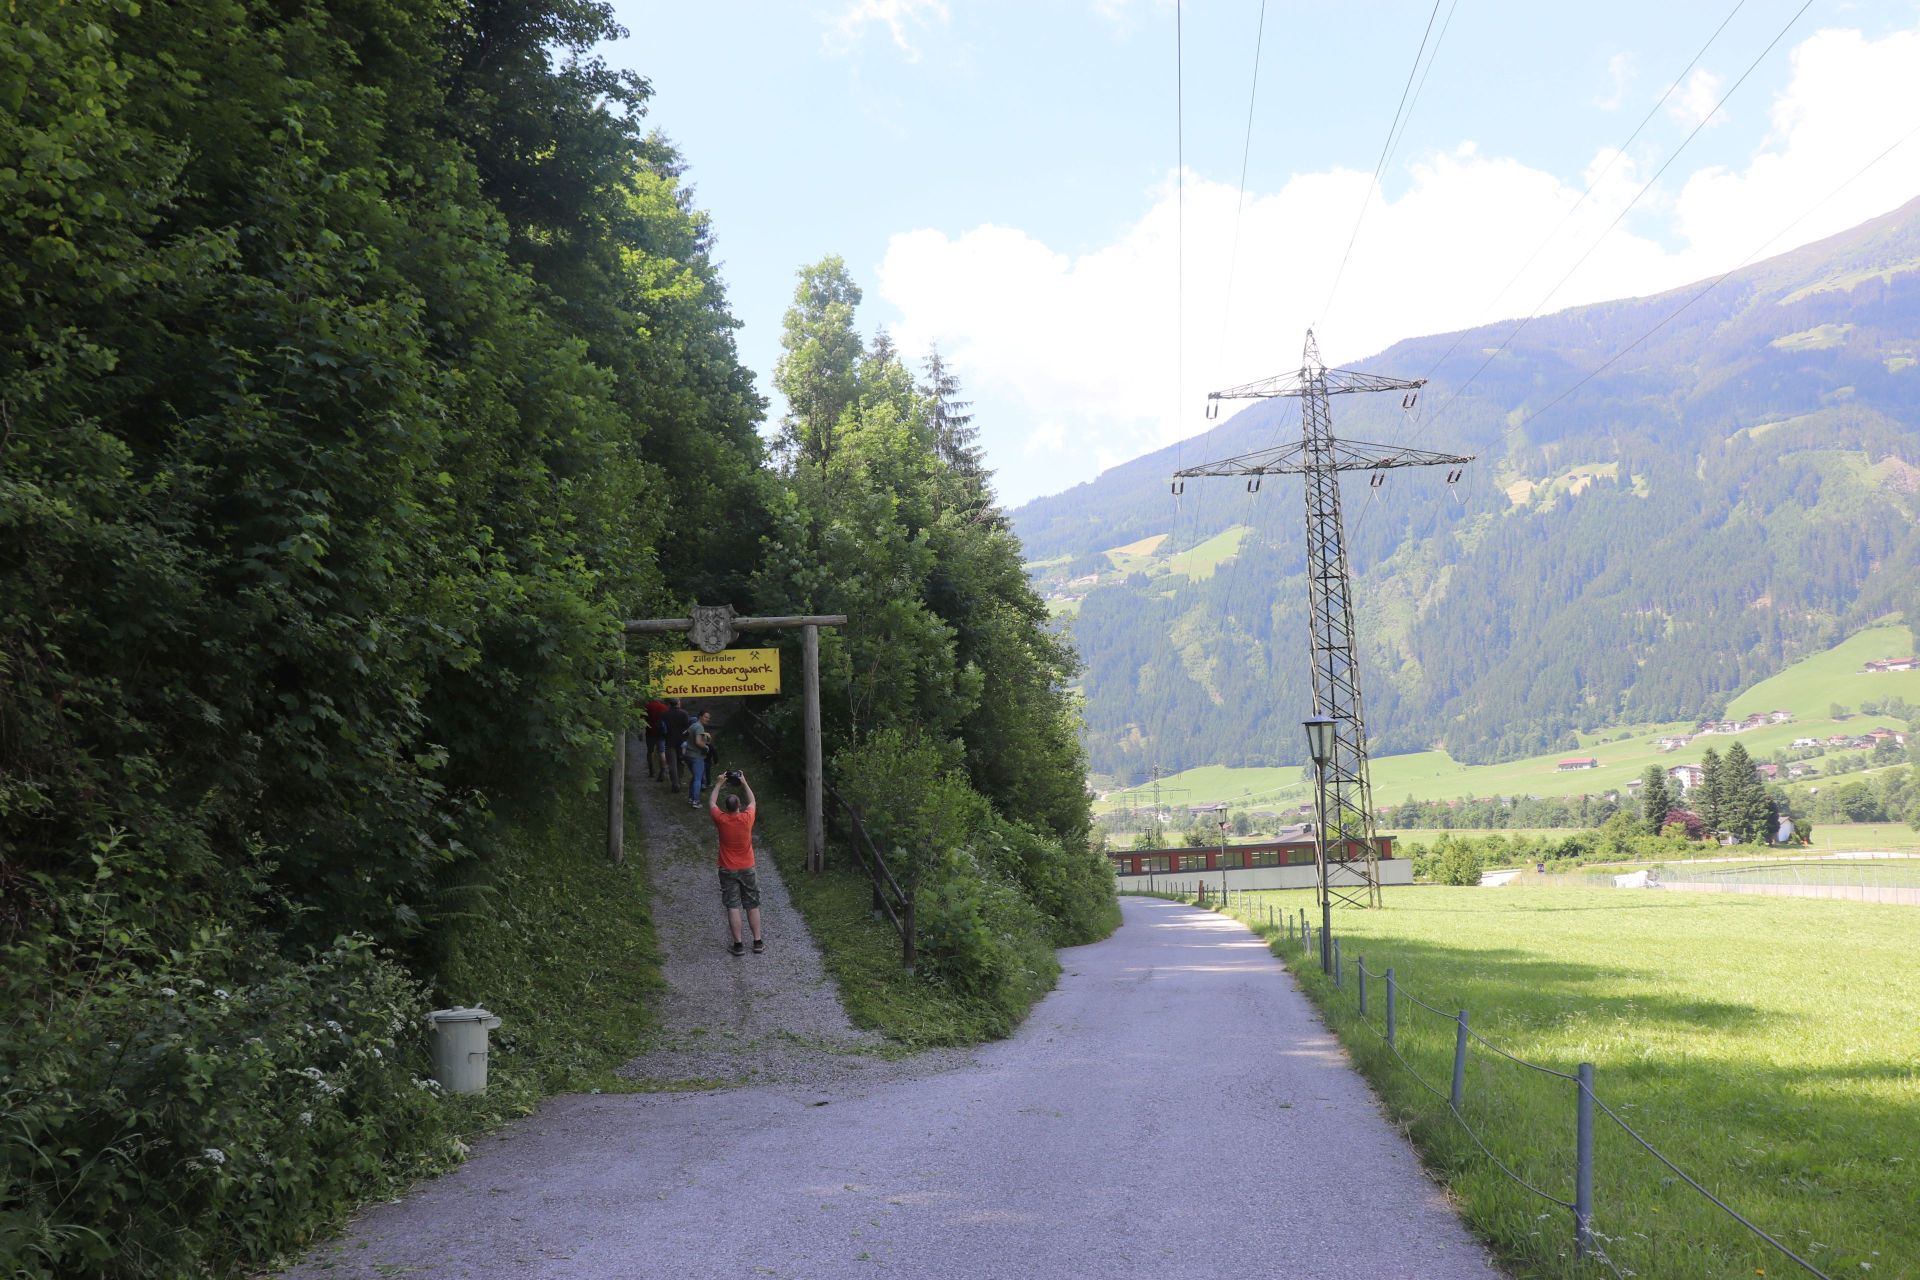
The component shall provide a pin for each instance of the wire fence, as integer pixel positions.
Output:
(1296, 930)
(1894, 882)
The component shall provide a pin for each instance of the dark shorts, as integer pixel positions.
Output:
(740, 889)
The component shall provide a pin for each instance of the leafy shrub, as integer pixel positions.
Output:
(168, 1106)
(1072, 888)
(992, 895)
(980, 936)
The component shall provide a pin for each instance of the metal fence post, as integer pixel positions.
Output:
(1360, 976)
(1339, 972)
(1583, 1166)
(1390, 1008)
(1460, 1061)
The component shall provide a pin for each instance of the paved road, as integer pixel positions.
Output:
(1174, 1109)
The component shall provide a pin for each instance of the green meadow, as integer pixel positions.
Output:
(1769, 1047)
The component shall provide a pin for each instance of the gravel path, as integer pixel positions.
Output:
(770, 1018)
(1174, 1109)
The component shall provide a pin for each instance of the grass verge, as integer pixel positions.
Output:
(1768, 1046)
(559, 943)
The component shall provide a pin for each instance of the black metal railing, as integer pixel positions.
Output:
(890, 902)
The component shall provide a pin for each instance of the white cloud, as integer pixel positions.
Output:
(1620, 68)
(1696, 98)
(899, 17)
(1849, 98)
(1087, 345)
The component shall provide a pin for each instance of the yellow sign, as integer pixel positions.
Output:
(728, 673)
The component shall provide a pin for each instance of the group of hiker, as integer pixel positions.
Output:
(677, 737)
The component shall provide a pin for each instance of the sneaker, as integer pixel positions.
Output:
(759, 945)
(737, 949)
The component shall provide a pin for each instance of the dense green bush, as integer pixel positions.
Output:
(1072, 885)
(992, 896)
(173, 1106)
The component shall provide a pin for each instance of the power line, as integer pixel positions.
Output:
(1648, 186)
(1246, 150)
(1713, 284)
(1381, 164)
(1594, 185)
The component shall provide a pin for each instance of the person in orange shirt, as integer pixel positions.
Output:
(739, 887)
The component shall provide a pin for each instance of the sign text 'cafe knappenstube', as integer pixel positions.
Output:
(690, 673)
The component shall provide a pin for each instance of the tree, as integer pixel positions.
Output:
(1655, 799)
(954, 434)
(820, 356)
(1242, 824)
(1746, 808)
(1710, 803)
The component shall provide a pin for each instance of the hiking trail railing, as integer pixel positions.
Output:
(1588, 1242)
(890, 902)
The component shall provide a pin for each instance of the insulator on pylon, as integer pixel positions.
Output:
(1253, 485)
(1377, 478)
(1453, 476)
(1213, 410)
(1406, 402)
(1179, 487)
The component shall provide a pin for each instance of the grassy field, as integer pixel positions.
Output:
(1808, 689)
(1770, 1047)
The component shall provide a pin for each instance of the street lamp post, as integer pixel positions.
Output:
(1223, 861)
(1320, 747)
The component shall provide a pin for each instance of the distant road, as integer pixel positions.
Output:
(1174, 1109)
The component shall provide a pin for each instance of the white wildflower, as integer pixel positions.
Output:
(306, 1117)
(332, 1025)
(220, 992)
(215, 1155)
(168, 991)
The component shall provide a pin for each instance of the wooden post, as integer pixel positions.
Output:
(617, 798)
(816, 769)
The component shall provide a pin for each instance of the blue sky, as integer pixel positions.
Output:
(1001, 177)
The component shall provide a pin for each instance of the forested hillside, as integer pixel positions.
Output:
(1737, 489)
(363, 364)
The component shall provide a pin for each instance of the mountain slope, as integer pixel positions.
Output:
(1638, 540)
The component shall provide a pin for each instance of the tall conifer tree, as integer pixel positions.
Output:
(1655, 798)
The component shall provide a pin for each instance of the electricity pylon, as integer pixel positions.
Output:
(1321, 457)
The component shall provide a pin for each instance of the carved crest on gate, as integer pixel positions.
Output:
(712, 626)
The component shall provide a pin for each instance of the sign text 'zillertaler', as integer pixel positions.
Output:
(690, 673)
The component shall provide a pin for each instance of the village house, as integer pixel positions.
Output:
(1779, 717)
(1806, 742)
(1883, 734)
(1883, 665)
(1688, 776)
(1577, 762)
(1673, 742)
(1771, 772)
